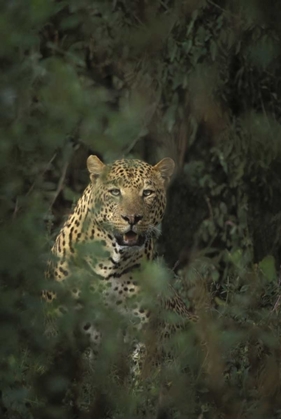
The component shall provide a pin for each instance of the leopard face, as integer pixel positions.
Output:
(129, 198)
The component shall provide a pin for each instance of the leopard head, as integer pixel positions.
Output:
(129, 197)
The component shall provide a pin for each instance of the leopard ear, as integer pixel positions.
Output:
(95, 167)
(166, 168)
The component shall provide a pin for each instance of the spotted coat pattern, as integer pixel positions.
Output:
(121, 209)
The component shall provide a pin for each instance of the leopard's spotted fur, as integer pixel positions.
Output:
(121, 208)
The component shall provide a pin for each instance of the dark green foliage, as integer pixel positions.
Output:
(195, 80)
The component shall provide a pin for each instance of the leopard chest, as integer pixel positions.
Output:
(119, 283)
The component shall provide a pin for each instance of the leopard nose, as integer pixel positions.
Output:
(132, 219)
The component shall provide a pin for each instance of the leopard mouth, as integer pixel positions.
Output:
(130, 239)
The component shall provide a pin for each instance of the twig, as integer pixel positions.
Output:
(222, 9)
(209, 207)
(277, 304)
(17, 207)
(44, 171)
(60, 184)
(176, 265)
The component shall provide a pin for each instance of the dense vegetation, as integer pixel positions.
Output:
(198, 81)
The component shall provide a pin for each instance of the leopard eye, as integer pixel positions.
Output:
(115, 191)
(147, 193)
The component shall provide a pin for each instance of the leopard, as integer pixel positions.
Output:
(121, 209)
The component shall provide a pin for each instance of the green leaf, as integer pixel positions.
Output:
(267, 266)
